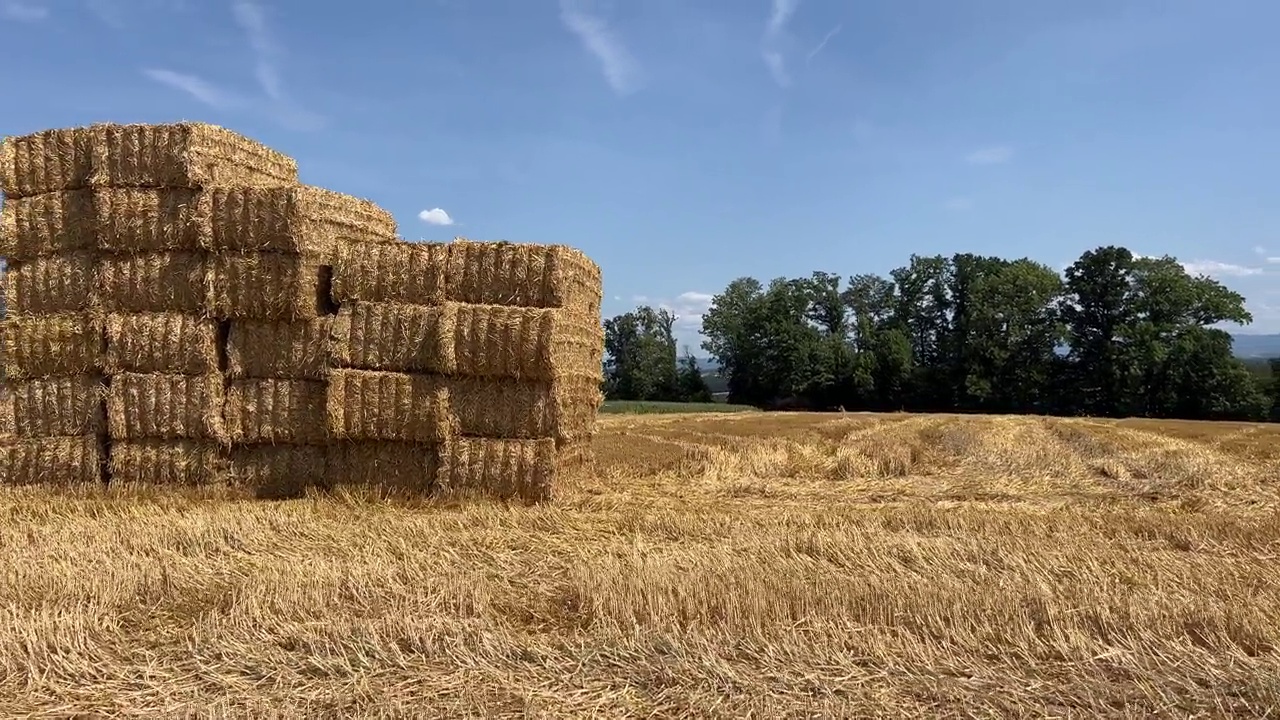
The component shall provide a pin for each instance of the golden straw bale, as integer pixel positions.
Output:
(297, 219)
(163, 406)
(134, 220)
(392, 336)
(161, 343)
(52, 461)
(268, 286)
(45, 345)
(46, 161)
(521, 409)
(266, 349)
(167, 462)
(528, 275)
(277, 471)
(410, 273)
(7, 421)
(276, 411)
(162, 282)
(404, 466)
(47, 224)
(507, 469)
(527, 343)
(52, 284)
(58, 406)
(368, 405)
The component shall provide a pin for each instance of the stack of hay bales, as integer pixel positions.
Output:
(487, 355)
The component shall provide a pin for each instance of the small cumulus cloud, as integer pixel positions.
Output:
(435, 216)
(1215, 268)
(621, 70)
(23, 11)
(1267, 258)
(994, 155)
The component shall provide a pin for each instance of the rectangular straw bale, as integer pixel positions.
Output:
(393, 336)
(185, 154)
(267, 349)
(297, 219)
(52, 461)
(133, 220)
(58, 406)
(522, 409)
(277, 471)
(394, 465)
(47, 224)
(164, 406)
(167, 463)
(276, 411)
(45, 345)
(507, 469)
(52, 284)
(163, 282)
(45, 161)
(368, 405)
(161, 343)
(268, 286)
(527, 343)
(409, 273)
(526, 275)
(7, 420)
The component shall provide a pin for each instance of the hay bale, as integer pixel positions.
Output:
(268, 286)
(409, 273)
(276, 411)
(48, 224)
(392, 336)
(161, 343)
(277, 471)
(58, 406)
(298, 219)
(175, 155)
(266, 349)
(135, 220)
(8, 426)
(527, 343)
(507, 469)
(161, 282)
(520, 409)
(52, 461)
(163, 406)
(368, 405)
(527, 275)
(401, 466)
(48, 345)
(52, 284)
(167, 463)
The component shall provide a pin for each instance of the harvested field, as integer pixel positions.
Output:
(726, 565)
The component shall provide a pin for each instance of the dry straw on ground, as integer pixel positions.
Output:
(54, 284)
(523, 274)
(276, 411)
(162, 343)
(266, 349)
(409, 273)
(164, 406)
(508, 469)
(161, 282)
(396, 337)
(51, 461)
(167, 463)
(299, 219)
(175, 155)
(267, 286)
(58, 406)
(367, 405)
(50, 345)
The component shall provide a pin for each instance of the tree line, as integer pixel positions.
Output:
(1114, 335)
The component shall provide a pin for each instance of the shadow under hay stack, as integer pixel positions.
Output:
(183, 311)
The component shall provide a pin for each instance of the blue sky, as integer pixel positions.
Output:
(682, 143)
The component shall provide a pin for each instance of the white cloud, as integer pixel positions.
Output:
(252, 20)
(435, 216)
(194, 86)
(1262, 253)
(779, 16)
(23, 11)
(688, 307)
(959, 204)
(621, 70)
(1215, 268)
(819, 48)
(994, 155)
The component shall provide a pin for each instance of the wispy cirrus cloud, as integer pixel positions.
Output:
(267, 53)
(1217, 268)
(992, 155)
(23, 11)
(1266, 256)
(196, 87)
(822, 45)
(621, 70)
(780, 14)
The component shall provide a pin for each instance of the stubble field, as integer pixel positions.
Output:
(741, 565)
